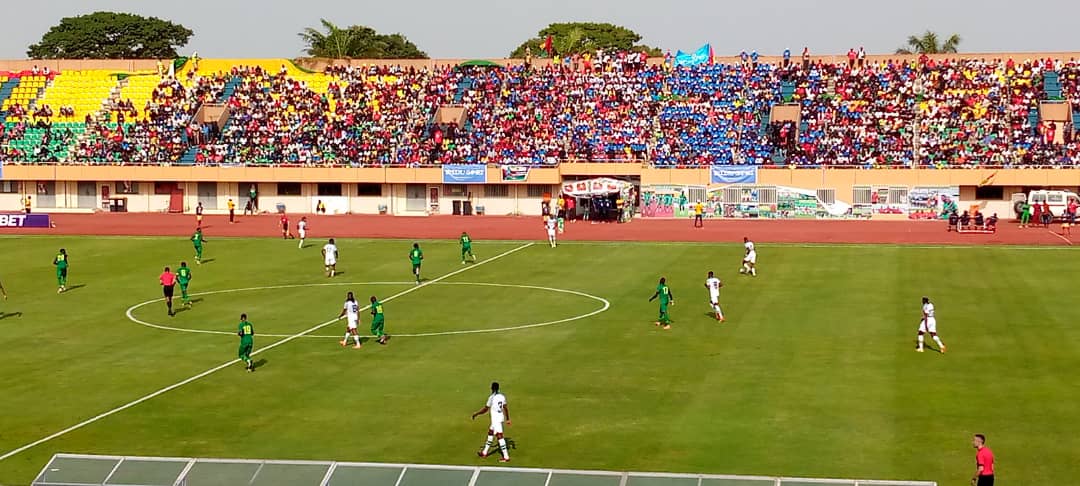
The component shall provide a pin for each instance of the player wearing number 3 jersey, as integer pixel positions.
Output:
(500, 413)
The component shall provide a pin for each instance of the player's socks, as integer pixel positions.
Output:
(920, 348)
(502, 448)
(753, 271)
(940, 344)
(487, 445)
(356, 338)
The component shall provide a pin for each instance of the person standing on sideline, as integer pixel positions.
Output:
(699, 215)
(497, 407)
(984, 462)
(198, 215)
(301, 229)
(27, 203)
(232, 211)
(664, 292)
(61, 262)
(168, 284)
(285, 227)
(253, 199)
(247, 342)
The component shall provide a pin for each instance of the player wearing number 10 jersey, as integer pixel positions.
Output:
(500, 413)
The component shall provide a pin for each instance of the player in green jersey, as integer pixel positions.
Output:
(377, 321)
(183, 277)
(197, 240)
(416, 257)
(466, 247)
(61, 262)
(247, 342)
(666, 299)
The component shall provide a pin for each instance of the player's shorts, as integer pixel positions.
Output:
(303, 233)
(245, 349)
(496, 427)
(330, 261)
(551, 233)
(416, 266)
(183, 283)
(284, 226)
(928, 325)
(714, 299)
(750, 257)
(353, 323)
(198, 217)
(167, 290)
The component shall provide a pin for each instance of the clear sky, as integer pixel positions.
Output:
(492, 28)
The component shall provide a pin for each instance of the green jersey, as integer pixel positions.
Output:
(183, 274)
(376, 310)
(197, 238)
(61, 261)
(415, 256)
(665, 294)
(246, 332)
(466, 242)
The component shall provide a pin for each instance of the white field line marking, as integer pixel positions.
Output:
(1063, 238)
(605, 307)
(222, 366)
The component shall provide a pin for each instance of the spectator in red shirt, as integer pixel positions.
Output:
(168, 281)
(285, 227)
(984, 462)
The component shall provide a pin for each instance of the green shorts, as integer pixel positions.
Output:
(245, 350)
(377, 325)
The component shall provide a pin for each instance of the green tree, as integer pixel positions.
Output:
(582, 37)
(357, 42)
(929, 43)
(111, 35)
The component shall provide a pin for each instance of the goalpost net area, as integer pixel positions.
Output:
(91, 470)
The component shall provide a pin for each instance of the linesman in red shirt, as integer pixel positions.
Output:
(285, 235)
(168, 282)
(984, 462)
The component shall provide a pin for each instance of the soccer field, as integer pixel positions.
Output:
(814, 374)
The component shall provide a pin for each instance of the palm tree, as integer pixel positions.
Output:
(928, 44)
(335, 43)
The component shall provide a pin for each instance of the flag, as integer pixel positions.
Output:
(547, 46)
(989, 179)
(701, 56)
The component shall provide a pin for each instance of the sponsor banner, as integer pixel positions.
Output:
(593, 187)
(464, 174)
(733, 174)
(933, 202)
(22, 220)
(515, 173)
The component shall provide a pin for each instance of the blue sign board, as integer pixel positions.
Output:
(464, 174)
(733, 174)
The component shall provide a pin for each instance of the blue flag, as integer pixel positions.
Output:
(697, 58)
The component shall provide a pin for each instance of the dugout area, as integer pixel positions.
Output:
(90, 470)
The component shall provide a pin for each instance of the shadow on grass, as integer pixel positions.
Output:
(208, 260)
(5, 315)
(74, 287)
(259, 363)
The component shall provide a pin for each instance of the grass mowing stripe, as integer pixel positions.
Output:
(215, 369)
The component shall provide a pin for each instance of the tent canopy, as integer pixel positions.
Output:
(480, 63)
(594, 187)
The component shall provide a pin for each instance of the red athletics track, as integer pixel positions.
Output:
(529, 228)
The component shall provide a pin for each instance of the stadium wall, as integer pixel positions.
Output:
(397, 190)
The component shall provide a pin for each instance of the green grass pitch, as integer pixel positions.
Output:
(814, 374)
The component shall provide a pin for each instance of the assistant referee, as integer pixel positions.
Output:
(984, 462)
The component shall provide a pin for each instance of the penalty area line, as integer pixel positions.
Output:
(222, 366)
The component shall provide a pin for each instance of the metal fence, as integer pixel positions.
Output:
(94, 470)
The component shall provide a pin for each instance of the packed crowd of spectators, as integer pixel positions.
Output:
(594, 107)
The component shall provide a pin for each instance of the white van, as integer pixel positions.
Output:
(1058, 200)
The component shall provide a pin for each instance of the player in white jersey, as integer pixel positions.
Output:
(301, 229)
(928, 324)
(330, 254)
(551, 224)
(352, 312)
(749, 261)
(500, 414)
(713, 284)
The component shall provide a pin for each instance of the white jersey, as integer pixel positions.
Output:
(749, 247)
(929, 322)
(713, 284)
(330, 256)
(751, 253)
(496, 404)
(352, 312)
(302, 228)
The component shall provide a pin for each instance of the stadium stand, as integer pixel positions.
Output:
(603, 107)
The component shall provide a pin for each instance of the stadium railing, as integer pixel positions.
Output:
(90, 470)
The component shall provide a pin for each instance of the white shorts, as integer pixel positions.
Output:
(750, 257)
(353, 323)
(551, 233)
(496, 428)
(330, 261)
(714, 299)
(928, 325)
(303, 233)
